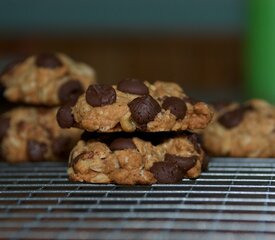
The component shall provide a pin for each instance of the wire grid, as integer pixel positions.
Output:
(235, 199)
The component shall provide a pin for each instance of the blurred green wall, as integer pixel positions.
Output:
(260, 50)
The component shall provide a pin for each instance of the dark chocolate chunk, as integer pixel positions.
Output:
(122, 143)
(61, 146)
(70, 91)
(134, 86)
(99, 95)
(65, 117)
(83, 155)
(234, 117)
(196, 141)
(144, 109)
(185, 163)
(176, 106)
(76, 159)
(4, 125)
(10, 66)
(167, 172)
(48, 60)
(36, 150)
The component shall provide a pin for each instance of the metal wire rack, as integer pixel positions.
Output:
(235, 199)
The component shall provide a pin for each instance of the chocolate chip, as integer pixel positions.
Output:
(65, 117)
(83, 155)
(48, 60)
(99, 95)
(144, 109)
(70, 91)
(76, 159)
(122, 143)
(234, 117)
(185, 163)
(4, 125)
(196, 141)
(167, 172)
(134, 86)
(61, 146)
(176, 106)
(10, 66)
(36, 150)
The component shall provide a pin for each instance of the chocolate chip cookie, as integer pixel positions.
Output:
(136, 158)
(46, 79)
(32, 134)
(242, 130)
(135, 105)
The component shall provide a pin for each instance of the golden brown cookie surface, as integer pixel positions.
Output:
(32, 134)
(136, 160)
(134, 105)
(46, 79)
(242, 130)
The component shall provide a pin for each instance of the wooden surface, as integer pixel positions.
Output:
(200, 64)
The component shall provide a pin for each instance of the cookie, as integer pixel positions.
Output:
(136, 158)
(32, 134)
(134, 105)
(242, 130)
(46, 79)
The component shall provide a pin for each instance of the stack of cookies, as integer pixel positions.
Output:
(136, 133)
(40, 84)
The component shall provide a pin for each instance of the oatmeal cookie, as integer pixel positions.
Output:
(137, 158)
(242, 130)
(32, 134)
(134, 105)
(45, 79)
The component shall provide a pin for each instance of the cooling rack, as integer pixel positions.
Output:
(234, 199)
